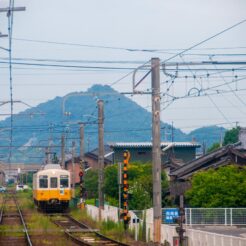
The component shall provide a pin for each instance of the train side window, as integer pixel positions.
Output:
(64, 181)
(43, 181)
(53, 182)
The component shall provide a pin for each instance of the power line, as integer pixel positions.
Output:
(205, 40)
(149, 50)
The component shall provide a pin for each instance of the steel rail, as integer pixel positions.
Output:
(87, 229)
(23, 222)
(2, 208)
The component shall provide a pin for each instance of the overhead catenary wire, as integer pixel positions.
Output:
(130, 49)
(205, 40)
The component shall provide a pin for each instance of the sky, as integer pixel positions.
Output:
(111, 33)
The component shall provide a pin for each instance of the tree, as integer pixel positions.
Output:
(213, 147)
(140, 184)
(224, 187)
(91, 183)
(231, 136)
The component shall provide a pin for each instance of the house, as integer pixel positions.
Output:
(91, 161)
(173, 153)
(92, 157)
(230, 154)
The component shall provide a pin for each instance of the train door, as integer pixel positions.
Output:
(54, 194)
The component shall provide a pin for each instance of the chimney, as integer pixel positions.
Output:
(242, 137)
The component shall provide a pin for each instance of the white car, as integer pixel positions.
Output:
(26, 187)
(2, 189)
(19, 187)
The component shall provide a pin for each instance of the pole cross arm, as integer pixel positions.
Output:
(12, 9)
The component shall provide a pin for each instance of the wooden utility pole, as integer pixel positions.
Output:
(100, 156)
(81, 153)
(82, 165)
(73, 169)
(156, 148)
(63, 151)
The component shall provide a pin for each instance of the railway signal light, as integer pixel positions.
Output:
(126, 216)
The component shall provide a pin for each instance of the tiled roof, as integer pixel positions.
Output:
(219, 156)
(149, 144)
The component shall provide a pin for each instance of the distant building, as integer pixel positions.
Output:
(12, 170)
(230, 154)
(91, 159)
(177, 153)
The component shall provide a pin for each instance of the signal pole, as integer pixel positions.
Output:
(100, 155)
(156, 148)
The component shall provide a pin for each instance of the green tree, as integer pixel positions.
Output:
(224, 187)
(140, 185)
(231, 136)
(91, 183)
(140, 198)
(213, 147)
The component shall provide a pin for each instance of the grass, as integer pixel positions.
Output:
(25, 200)
(81, 215)
(108, 228)
(11, 230)
(41, 223)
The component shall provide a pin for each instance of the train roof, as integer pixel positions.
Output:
(52, 166)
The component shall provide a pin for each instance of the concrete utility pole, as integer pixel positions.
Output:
(81, 130)
(63, 151)
(82, 166)
(100, 156)
(49, 152)
(73, 169)
(156, 148)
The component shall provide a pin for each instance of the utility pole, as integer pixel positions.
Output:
(100, 156)
(63, 151)
(82, 166)
(9, 10)
(156, 148)
(49, 152)
(73, 169)
(172, 133)
(81, 130)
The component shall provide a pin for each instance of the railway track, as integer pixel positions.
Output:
(14, 230)
(81, 234)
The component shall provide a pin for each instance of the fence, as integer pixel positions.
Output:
(215, 216)
(204, 238)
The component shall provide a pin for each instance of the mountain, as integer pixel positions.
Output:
(125, 120)
(207, 135)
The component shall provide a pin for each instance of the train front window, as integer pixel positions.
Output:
(53, 182)
(43, 181)
(64, 181)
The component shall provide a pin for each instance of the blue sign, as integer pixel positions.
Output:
(168, 215)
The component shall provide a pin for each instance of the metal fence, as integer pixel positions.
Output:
(215, 216)
(207, 216)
